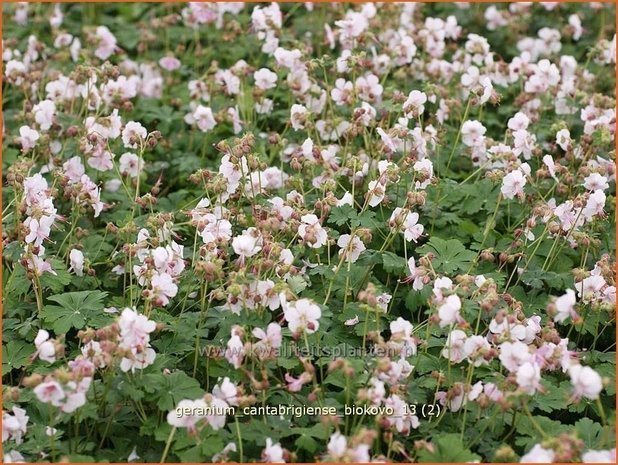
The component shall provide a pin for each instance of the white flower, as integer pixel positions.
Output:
(204, 119)
(519, 121)
(298, 116)
(412, 230)
(352, 247)
(312, 232)
(133, 134)
(599, 456)
(586, 382)
(302, 315)
(265, 79)
(414, 106)
(538, 455)
(529, 377)
(563, 139)
(473, 133)
(234, 353)
(45, 347)
(454, 349)
(514, 354)
(246, 245)
(77, 262)
(565, 306)
(187, 414)
(27, 138)
(50, 392)
(44, 114)
(595, 182)
(402, 418)
(449, 311)
(163, 287)
(273, 453)
(376, 193)
(130, 164)
(14, 426)
(551, 166)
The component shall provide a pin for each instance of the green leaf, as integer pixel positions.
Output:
(450, 256)
(15, 354)
(307, 443)
(393, 263)
(341, 215)
(447, 449)
(297, 284)
(170, 389)
(589, 431)
(75, 309)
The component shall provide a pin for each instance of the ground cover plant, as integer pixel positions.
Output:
(308, 232)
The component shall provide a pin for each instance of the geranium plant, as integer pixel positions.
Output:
(309, 232)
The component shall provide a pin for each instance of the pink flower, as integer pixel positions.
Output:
(513, 184)
(39, 229)
(106, 43)
(27, 138)
(296, 384)
(50, 392)
(169, 63)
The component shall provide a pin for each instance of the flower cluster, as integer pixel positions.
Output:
(400, 209)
